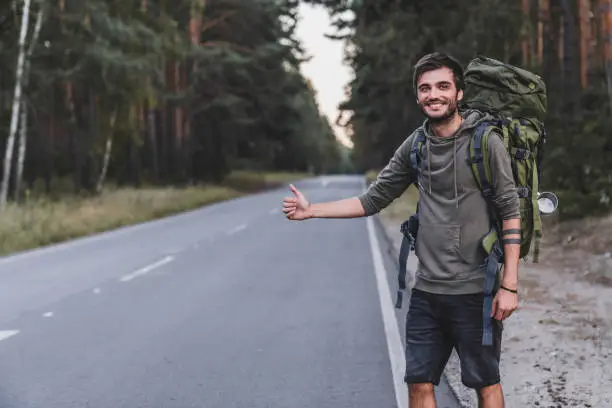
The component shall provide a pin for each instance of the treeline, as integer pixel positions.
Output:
(568, 42)
(154, 91)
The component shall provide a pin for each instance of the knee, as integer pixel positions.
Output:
(490, 391)
(421, 389)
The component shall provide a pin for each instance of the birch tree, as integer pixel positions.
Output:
(8, 155)
(24, 110)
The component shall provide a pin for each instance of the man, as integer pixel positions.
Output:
(446, 303)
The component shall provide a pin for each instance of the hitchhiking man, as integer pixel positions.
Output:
(446, 302)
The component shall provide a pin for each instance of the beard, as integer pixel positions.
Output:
(444, 115)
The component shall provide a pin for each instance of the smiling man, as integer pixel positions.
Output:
(447, 300)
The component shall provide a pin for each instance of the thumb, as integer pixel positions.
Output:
(494, 308)
(294, 190)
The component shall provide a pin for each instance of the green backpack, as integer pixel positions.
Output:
(517, 100)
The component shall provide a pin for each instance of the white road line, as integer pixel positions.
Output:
(5, 334)
(48, 314)
(237, 229)
(394, 342)
(147, 269)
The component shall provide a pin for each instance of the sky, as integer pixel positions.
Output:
(326, 70)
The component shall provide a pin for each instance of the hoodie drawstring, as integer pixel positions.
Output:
(455, 170)
(428, 147)
(428, 163)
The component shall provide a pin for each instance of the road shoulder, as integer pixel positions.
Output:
(557, 344)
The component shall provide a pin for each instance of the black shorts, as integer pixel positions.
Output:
(437, 323)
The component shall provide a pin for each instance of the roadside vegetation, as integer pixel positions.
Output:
(118, 112)
(42, 219)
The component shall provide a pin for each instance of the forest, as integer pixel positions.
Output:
(154, 92)
(567, 42)
(160, 98)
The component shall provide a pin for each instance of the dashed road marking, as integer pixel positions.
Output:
(237, 229)
(5, 334)
(147, 269)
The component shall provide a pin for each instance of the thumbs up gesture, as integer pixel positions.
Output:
(296, 207)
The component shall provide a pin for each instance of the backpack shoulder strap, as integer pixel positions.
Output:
(409, 228)
(479, 161)
(479, 157)
(416, 147)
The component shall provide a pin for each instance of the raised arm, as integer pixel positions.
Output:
(391, 182)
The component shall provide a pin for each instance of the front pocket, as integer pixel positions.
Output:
(470, 248)
(437, 248)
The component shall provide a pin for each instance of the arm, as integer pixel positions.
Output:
(506, 202)
(346, 208)
(511, 254)
(390, 184)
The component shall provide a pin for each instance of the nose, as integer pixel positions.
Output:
(434, 93)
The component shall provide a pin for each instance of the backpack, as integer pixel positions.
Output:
(516, 98)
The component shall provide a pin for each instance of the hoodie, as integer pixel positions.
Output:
(453, 214)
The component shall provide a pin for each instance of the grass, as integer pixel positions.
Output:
(43, 221)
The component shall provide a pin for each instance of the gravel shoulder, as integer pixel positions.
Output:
(557, 346)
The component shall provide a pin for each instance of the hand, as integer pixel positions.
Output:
(296, 207)
(504, 304)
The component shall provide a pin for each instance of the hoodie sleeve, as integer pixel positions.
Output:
(505, 195)
(391, 182)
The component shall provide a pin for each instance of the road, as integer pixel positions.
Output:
(227, 306)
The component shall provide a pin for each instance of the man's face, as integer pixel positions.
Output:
(437, 94)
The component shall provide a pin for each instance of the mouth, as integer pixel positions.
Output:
(436, 105)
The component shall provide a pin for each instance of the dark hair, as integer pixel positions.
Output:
(437, 60)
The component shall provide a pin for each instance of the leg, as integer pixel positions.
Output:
(428, 347)
(491, 396)
(479, 364)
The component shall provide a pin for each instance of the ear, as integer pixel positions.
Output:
(460, 95)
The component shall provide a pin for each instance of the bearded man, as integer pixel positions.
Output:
(446, 302)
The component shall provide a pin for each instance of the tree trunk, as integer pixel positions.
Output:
(525, 42)
(585, 41)
(22, 150)
(107, 153)
(24, 111)
(607, 23)
(8, 155)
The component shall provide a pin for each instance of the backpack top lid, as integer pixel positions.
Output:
(502, 89)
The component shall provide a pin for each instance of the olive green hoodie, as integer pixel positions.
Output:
(453, 214)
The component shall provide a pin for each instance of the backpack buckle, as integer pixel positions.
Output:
(521, 154)
(523, 192)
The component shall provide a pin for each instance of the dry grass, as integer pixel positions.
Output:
(43, 221)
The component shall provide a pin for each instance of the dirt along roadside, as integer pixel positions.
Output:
(557, 348)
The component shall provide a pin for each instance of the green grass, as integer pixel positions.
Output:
(42, 221)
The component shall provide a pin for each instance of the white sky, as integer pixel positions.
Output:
(326, 70)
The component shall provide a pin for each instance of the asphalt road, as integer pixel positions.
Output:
(228, 306)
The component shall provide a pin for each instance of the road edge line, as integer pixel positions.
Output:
(394, 342)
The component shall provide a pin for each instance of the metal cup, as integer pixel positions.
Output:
(547, 203)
